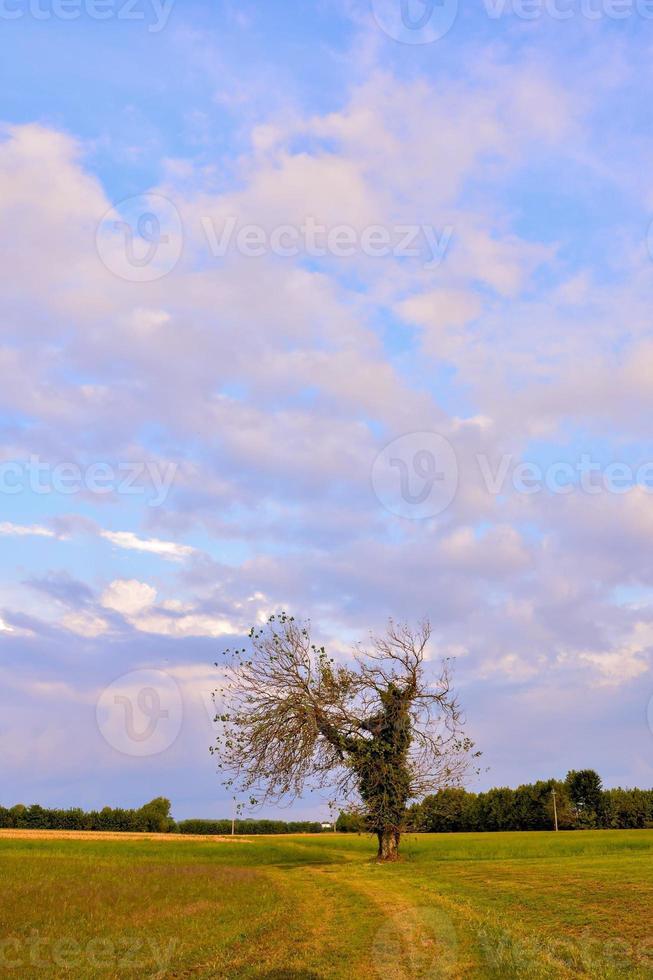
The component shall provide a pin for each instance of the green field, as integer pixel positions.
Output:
(466, 905)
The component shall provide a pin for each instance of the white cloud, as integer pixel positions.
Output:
(511, 665)
(322, 373)
(631, 658)
(21, 530)
(85, 624)
(131, 542)
(128, 596)
(190, 624)
(136, 601)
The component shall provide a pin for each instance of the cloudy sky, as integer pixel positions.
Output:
(342, 307)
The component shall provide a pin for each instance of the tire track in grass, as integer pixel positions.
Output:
(487, 947)
(423, 934)
(319, 930)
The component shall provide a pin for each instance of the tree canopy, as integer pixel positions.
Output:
(381, 730)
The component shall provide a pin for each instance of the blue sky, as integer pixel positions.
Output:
(205, 412)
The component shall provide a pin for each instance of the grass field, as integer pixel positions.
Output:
(467, 905)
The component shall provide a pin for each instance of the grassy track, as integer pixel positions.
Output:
(468, 905)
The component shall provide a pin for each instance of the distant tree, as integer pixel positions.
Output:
(529, 807)
(567, 818)
(621, 808)
(534, 806)
(36, 817)
(586, 792)
(205, 827)
(155, 816)
(497, 809)
(446, 811)
(381, 730)
(18, 815)
(350, 822)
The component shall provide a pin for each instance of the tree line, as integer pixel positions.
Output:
(581, 803)
(248, 826)
(153, 817)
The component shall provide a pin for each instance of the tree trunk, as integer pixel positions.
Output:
(388, 845)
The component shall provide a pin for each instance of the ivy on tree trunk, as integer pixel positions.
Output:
(379, 729)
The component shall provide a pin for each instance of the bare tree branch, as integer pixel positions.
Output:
(379, 731)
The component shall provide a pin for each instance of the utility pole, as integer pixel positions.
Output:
(555, 808)
(233, 817)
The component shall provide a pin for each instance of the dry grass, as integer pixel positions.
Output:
(112, 835)
(539, 906)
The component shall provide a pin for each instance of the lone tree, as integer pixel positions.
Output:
(379, 731)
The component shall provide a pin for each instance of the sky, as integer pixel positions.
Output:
(341, 307)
